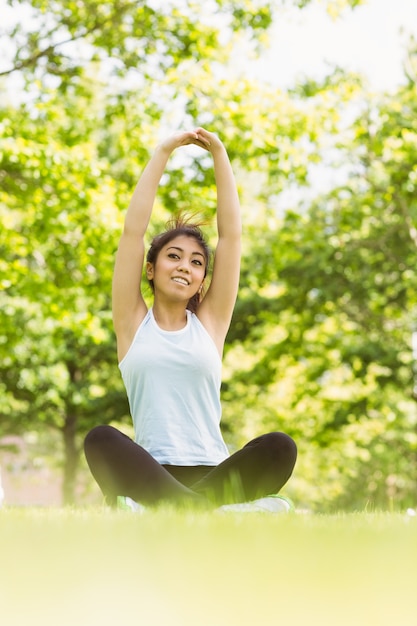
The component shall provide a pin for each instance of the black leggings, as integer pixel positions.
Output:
(122, 467)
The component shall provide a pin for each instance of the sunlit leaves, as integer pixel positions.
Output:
(344, 277)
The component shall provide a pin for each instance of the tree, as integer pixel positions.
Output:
(332, 360)
(57, 202)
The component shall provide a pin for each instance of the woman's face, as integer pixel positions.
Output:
(179, 269)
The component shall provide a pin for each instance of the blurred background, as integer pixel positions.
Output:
(316, 102)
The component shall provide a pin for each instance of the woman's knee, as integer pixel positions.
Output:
(277, 445)
(98, 436)
(285, 446)
(282, 441)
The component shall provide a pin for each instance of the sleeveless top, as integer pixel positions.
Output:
(172, 380)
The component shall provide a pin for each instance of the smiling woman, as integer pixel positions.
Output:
(170, 357)
(187, 256)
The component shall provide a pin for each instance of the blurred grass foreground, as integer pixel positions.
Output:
(97, 567)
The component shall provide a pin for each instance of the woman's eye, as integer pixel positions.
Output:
(197, 262)
(172, 255)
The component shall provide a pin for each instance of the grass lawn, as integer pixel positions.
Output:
(89, 567)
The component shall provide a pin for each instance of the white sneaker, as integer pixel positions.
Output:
(268, 504)
(125, 503)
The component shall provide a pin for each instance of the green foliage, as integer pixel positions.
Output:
(335, 298)
(59, 214)
(64, 36)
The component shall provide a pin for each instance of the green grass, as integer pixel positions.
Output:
(170, 568)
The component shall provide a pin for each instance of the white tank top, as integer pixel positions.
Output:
(172, 380)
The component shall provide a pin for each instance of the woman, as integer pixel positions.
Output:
(170, 357)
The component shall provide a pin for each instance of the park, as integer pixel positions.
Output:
(323, 340)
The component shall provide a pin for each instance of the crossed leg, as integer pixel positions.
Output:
(260, 468)
(122, 467)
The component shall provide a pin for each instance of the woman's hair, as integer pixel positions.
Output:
(179, 226)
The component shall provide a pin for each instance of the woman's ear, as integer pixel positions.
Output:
(149, 270)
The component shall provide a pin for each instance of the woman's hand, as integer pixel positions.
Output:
(208, 140)
(199, 137)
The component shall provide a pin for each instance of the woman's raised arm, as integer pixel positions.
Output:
(215, 311)
(128, 305)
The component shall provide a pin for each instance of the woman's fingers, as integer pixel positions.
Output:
(204, 136)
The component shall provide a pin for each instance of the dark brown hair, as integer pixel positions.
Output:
(179, 226)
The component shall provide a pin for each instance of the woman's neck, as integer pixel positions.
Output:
(172, 318)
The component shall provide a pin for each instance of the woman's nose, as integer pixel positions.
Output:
(184, 266)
